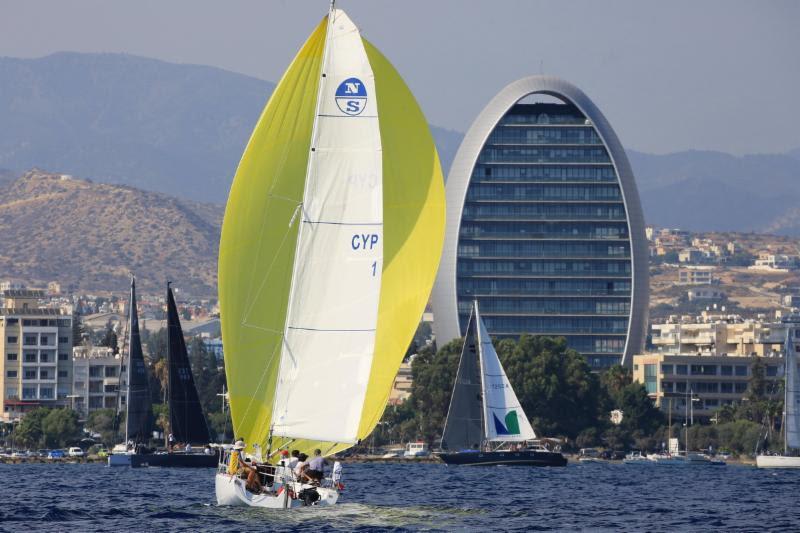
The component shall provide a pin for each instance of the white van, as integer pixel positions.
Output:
(75, 452)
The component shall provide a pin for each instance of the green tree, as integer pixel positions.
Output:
(554, 385)
(104, 422)
(78, 330)
(29, 431)
(433, 377)
(109, 339)
(60, 428)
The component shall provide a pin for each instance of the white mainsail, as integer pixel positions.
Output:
(333, 302)
(503, 416)
(792, 393)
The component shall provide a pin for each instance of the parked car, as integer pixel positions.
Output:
(75, 452)
(56, 454)
(42, 453)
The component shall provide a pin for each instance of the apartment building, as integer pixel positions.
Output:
(99, 379)
(696, 275)
(707, 381)
(35, 362)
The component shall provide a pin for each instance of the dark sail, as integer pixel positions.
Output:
(137, 424)
(186, 420)
(464, 426)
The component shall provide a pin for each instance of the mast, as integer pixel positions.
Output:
(131, 303)
(169, 374)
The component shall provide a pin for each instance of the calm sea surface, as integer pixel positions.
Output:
(592, 497)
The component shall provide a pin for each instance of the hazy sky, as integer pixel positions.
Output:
(720, 75)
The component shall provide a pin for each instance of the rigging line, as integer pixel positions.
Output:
(308, 71)
(253, 326)
(343, 223)
(331, 330)
(257, 292)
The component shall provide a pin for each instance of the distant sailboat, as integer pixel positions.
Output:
(330, 243)
(187, 422)
(791, 402)
(138, 412)
(485, 416)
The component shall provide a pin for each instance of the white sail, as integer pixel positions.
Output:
(792, 393)
(333, 303)
(503, 416)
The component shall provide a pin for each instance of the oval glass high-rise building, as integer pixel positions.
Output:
(545, 227)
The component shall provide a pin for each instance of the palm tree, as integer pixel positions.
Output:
(161, 371)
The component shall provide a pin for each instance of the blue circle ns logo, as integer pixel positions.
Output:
(351, 96)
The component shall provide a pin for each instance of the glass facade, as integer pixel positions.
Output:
(544, 241)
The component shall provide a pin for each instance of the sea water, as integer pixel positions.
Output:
(408, 496)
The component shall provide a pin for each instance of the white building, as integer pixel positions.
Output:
(96, 383)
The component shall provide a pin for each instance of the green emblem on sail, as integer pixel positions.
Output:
(512, 423)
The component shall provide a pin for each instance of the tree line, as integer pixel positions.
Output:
(565, 399)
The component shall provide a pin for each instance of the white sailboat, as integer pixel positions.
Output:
(791, 403)
(330, 244)
(486, 424)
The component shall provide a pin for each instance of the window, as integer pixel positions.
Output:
(63, 357)
(11, 356)
(95, 371)
(11, 373)
(11, 393)
(666, 386)
(12, 340)
(740, 388)
(28, 393)
(30, 373)
(63, 340)
(681, 370)
(711, 403)
(30, 340)
(44, 357)
(650, 382)
(96, 402)
(741, 370)
(726, 388)
(30, 357)
(111, 371)
(63, 373)
(95, 386)
(44, 373)
(706, 387)
(44, 340)
(680, 386)
(80, 384)
(704, 370)
(666, 369)
(772, 370)
(726, 370)
(111, 388)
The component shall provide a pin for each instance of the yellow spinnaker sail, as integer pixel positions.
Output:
(306, 223)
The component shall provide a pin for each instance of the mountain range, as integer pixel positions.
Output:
(90, 236)
(180, 130)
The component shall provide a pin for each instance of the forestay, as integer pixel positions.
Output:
(333, 304)
(504, 418)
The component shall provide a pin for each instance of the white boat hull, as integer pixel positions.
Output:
(777, 461)
(231, 491)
